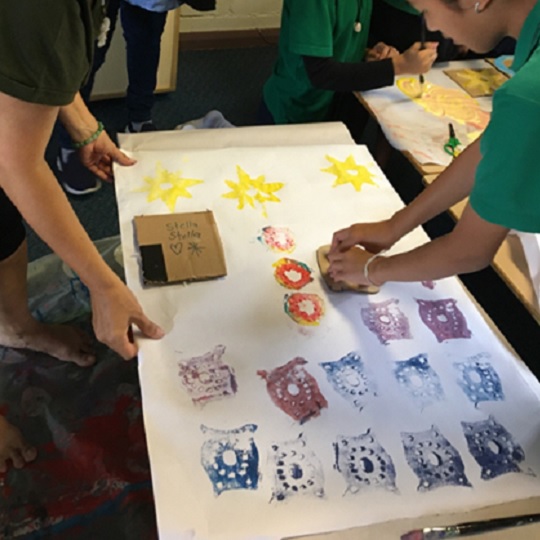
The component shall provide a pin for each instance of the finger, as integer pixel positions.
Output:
(126, 349)
(147, 327)
(431, 45)
(122, 159)
(101, 174)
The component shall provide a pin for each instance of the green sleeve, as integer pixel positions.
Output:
(310, 27)
(507, 183)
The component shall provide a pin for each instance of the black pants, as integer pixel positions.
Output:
(12, 231)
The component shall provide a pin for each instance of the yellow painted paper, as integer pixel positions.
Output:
(349, 172)
(450, 103)
(252, 191)
(167, 186)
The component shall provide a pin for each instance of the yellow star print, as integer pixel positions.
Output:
(349, 172)
(167, 186)
(251, 191)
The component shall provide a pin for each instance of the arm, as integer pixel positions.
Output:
(469, 247)
(25, 129)
(101, 153)
(328, 74)
(452, 186)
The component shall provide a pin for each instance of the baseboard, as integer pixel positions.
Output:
(228, 39)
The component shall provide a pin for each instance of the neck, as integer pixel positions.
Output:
(517, 11)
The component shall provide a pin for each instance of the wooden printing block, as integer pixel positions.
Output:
(338, 286)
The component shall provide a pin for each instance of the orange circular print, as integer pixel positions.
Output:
(304, 308)
(278, 239)
(292, 274)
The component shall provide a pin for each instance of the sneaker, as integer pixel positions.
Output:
(75, 178)
(140, 127)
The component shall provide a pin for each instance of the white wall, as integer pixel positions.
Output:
(232, 15)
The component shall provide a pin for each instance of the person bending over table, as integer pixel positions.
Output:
(500, 173)
(44, 58)
(322, 53)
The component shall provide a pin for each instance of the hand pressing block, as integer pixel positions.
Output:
(338, 286)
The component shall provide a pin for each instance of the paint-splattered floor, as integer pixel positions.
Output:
(92, 477)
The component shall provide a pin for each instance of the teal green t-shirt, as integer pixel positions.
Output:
(403, 5)
(507, 184)
(323, 28)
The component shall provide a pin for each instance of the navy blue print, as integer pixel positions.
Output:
(434, 460)
(493, 448)
(231, 458)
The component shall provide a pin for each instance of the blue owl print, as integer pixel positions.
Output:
(364, 463)
(479, 380)
(419, 380)
(493, 448)
(434, 460)
(231, 458)
(349, 379)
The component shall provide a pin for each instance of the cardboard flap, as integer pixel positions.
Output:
(179, 247)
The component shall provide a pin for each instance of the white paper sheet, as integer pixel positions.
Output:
(408, 127)
(244, 313)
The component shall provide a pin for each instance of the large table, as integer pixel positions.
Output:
(160, 454)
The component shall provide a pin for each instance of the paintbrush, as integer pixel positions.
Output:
(470, 528)
(422, 46)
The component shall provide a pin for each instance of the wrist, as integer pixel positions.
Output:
(399, 64)
(372, 269)
(90, 137)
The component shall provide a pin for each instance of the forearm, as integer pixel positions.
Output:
(327, 74)
(452, 186)
(79, 122)
(471, 246)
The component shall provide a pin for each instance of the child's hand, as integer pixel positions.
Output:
(348, 266)
(381, 51)
(416, 60)
(374, 237)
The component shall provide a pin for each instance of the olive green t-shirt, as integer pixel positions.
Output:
(46, 47)
(507, 183)
(403, 5)
(321, 28)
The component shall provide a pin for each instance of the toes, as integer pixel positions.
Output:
(17, 459)
(29, 453)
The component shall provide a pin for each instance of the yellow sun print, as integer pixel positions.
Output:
(167, 186)
(252, 191)
(349, 172)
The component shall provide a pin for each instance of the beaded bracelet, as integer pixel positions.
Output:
(90, 139)
(366, 268)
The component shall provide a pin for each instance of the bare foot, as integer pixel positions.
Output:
(13, 447)
(66, 343)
